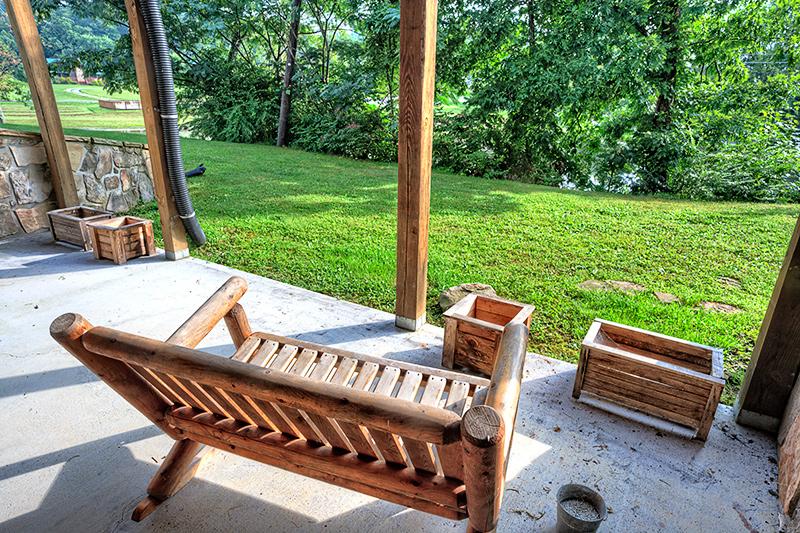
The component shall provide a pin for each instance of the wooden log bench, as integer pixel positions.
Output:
(430, 439)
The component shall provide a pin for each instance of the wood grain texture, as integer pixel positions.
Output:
(175, 243)
(451, 455)
(231, 436)
(69, 224)
(474, 329)
(663, 377)
(121, 238)
(202, 321)
(389, 445)
(237, 324)
(427, 423)
(23, 24)
(417, 78)
(775, 362)
(483, 434)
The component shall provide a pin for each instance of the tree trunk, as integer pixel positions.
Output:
(669, 32)
(286, 91)
(531, 24)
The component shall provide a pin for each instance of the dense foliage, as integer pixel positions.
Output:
(697, 98)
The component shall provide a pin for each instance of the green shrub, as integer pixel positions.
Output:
(231, 104)
(338, 119)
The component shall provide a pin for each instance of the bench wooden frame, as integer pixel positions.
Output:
(430, 439)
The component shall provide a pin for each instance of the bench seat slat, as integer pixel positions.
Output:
(178, 395)
(358, 435)
(247, 350)
(387, 443)
(451, 455)
(157, 384)
(421, 453)
(302, 367)
(264, 357)
(323, 424)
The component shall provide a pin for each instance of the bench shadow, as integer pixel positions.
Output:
(99, 484)
(46, 380)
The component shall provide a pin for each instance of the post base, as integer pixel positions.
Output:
(753, 420)
(409, 324)
(177, 255)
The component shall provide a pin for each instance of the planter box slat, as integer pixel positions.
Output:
(474, 329)
(68, 225)
(663, 377)
(122, 238)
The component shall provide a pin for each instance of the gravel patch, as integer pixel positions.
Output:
(580, 509)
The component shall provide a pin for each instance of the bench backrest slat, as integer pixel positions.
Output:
(189, 374)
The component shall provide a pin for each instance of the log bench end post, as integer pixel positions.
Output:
(482, 438)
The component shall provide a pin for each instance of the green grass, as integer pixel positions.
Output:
(79, 110)
(328, 224)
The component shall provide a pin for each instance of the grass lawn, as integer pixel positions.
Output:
(328, 224)
(78, 108)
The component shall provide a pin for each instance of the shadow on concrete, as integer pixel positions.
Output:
(353, 332)
(49, 379)
(73, 452)
(100, 483)
(58, 261)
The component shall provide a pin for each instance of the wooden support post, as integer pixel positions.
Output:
(417, 76)
(775, 363)
(175, 243)
(482, 436)
(20, 15)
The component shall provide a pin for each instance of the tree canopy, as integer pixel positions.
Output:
(697, 98)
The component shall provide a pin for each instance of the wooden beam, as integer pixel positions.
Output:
(20, 15)
(775, 362)
(417, 77)
(175, 243)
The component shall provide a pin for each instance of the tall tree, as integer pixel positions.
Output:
(288, 74)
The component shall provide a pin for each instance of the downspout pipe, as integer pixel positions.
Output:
(168, 111)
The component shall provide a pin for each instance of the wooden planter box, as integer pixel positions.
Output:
(69, 224)
(675, 384)
(473, 329)
(122, 238)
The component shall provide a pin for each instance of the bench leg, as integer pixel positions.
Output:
(178, 468)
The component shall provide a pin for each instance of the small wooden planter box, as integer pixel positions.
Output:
(473, 329)
(122, 238)
(69, 224)
(675, 383)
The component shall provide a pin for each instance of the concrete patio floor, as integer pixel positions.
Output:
(76, 457)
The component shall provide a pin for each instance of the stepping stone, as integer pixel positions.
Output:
(453, 295)
(594, 285)
(666, 298)
(627, 286)
(730, 282)
(720, 307)
(599, 285)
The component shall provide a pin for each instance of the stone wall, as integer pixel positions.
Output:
(108, 174)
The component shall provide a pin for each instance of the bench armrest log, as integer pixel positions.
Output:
(404, 418)
(221, 304)
(506, 382)
(487, 430)
(68, 330)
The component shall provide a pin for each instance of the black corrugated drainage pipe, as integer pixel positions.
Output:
(157, 39)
